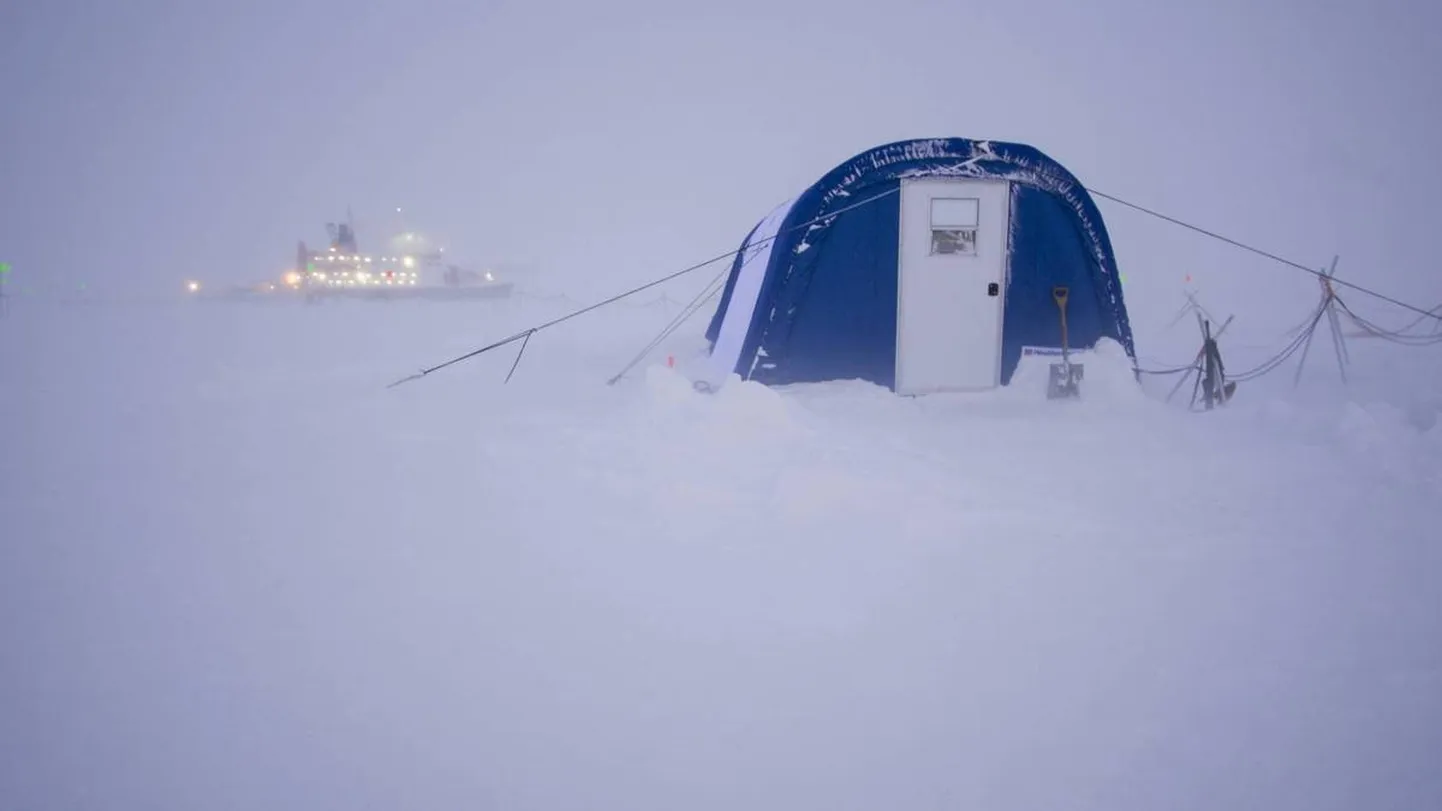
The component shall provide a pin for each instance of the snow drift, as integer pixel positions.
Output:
(238, 572)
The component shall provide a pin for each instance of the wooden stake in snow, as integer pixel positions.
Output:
(1334, 323)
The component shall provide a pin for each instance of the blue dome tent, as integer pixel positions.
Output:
(924, 266)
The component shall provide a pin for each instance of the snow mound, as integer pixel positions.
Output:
(811, 596)
(741, 403)
(1378, 438)
(1384, 437)
(667, 389)
(1107, 378)
(736, 415)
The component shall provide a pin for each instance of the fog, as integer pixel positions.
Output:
(145, 143)
(238, 572)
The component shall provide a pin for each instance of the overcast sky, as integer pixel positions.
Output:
(146, 142)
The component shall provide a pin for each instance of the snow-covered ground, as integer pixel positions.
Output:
(239, 573)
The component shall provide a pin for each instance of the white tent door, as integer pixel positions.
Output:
(952, 282)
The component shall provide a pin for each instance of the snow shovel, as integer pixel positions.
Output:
(1065, 376)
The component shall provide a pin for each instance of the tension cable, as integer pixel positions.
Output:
(527, 333)
(689, 310)
(1275, 258)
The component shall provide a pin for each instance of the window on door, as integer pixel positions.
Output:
(954, 221)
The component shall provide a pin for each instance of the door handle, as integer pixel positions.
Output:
(993, 289)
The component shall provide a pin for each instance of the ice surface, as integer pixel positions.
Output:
(239, 573)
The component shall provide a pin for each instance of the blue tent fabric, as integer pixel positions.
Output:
(827, 303)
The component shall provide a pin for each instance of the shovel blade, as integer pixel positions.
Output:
(1064, 381)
